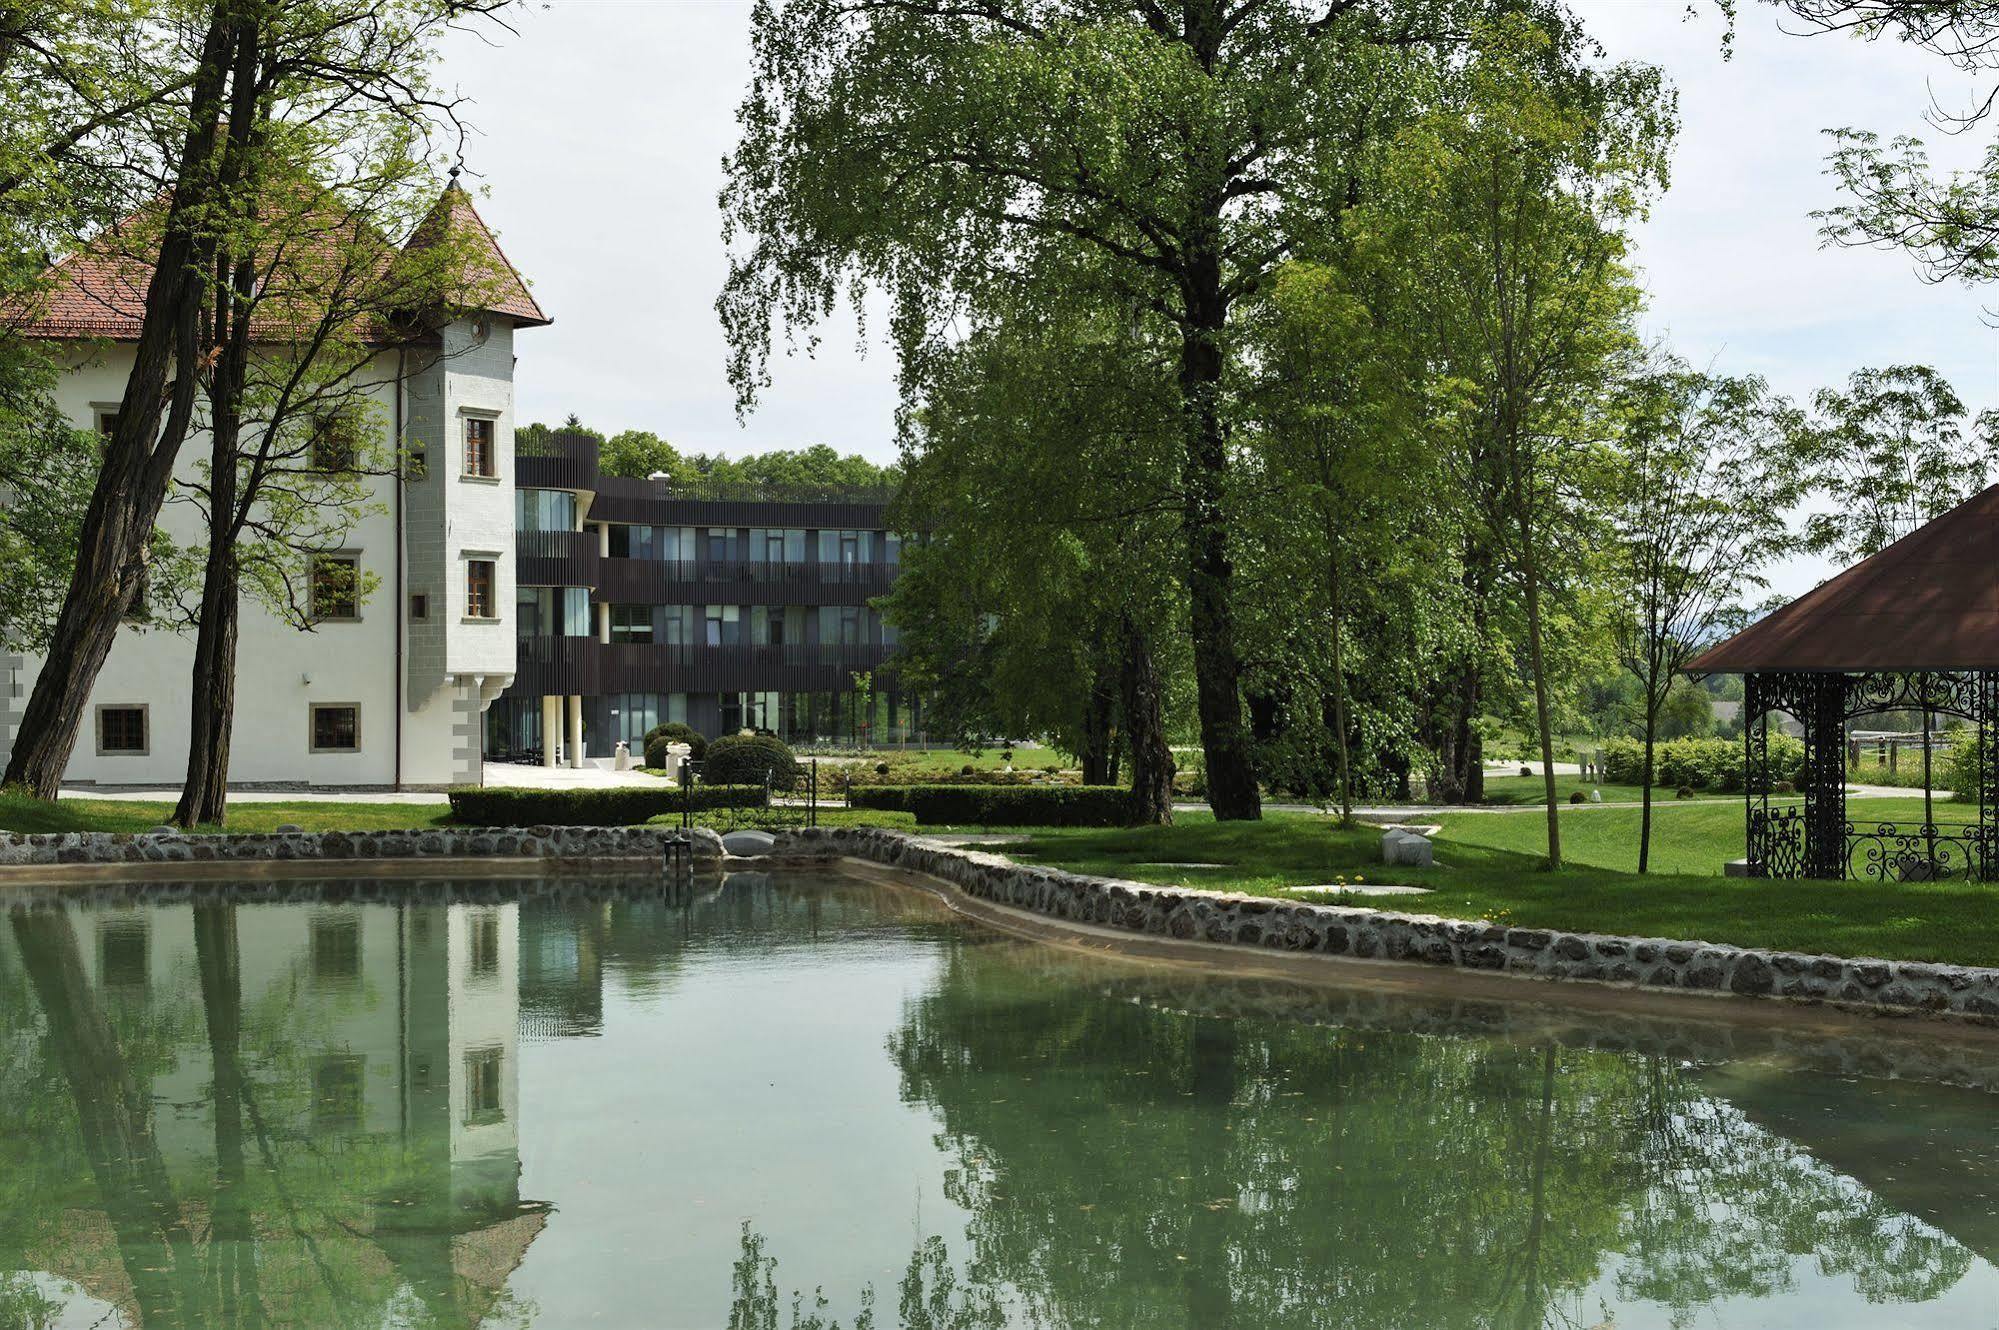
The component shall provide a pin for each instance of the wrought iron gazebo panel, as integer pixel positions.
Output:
(1814, 838)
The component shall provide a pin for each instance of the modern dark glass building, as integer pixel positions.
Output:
(637, 605)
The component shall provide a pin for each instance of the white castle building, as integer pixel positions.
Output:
(386, 692)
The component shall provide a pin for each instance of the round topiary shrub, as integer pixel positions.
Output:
(1684, 792)
(676, 733)
(1783, 787)
(750, 759)
(1526, 771)
(1576, 797)
(881, 768)
(967, 770)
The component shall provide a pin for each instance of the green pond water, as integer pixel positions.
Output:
(817, 1101)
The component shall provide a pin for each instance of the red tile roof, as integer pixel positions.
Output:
(100, 290)
(1930, 601)
(492, 283)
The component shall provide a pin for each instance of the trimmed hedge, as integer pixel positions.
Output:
(1698, 764)
(750, 759)
(1004, 805)
(480, 806)
(673, 732)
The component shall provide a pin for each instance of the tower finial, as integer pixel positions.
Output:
(456, 167)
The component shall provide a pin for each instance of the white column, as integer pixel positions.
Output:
(575, 731)
(551, 728)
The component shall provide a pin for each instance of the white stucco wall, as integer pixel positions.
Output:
(455, 667)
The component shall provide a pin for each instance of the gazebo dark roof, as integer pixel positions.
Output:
(1930, 601)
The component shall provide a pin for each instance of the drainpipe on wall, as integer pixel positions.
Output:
(402, 607)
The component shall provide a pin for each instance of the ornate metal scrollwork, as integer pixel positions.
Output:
(1926, 852)
(1777, 842)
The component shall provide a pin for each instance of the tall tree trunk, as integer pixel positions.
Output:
(1336, 614)
(1231, 769)
(212, 691)
(1099, 727)
(212, 703)
(1531, 571)
(1145, 726)
(1645, 777)
(233, 1231)
(139, 453)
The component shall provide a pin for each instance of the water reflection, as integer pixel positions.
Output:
(307, 1105)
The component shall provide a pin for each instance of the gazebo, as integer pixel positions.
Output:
(1912, 628)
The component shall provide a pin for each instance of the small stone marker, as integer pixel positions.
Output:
(1401, 846)
(1596, 796)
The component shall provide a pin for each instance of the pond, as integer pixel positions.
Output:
(822, 1101)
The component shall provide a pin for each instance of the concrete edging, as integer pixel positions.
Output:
(1662, 964)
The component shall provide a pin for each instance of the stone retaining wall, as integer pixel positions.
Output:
(1339, 930)
(164, 847)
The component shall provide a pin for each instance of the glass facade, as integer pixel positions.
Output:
(552, 611)
(544, 510)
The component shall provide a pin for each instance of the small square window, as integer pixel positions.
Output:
(332, 449)
(336, 727)
(482, 1086)
(479, 460)
(123, 954)
(121, 731)
(336, 948)
(336, 587)
(419, 607)
(107, 423)
(337, 1093)
(483, 953)
(479, 600)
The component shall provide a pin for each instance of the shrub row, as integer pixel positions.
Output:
(478, 806)
(1004, 805)
(1698, 764)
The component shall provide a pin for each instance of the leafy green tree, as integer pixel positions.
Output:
(156, 409)
(637, 452)
(941, 152)
(1885, 455)
(1078, 412)
(1699, 517)
(1523, 190)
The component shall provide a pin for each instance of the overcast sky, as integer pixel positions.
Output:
(603, 125)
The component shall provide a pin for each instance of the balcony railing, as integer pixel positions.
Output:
(561, 461)
(582, 665)
(556, 558)
(750, 581)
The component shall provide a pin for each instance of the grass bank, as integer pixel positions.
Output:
(1944, 922)
(23, 814)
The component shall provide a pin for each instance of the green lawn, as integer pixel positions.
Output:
(1949, 922)
(19, 813)
(947, 760)
(1688, 836)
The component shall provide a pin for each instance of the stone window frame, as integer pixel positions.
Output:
(492, 560)
(467, 417)
(352, 556)
(145, 710)
(312, 710)
(489, 1060)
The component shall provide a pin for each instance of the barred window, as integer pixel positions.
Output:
(479, 459)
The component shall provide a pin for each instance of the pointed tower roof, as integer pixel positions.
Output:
(1930, 601)
(492, 283)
